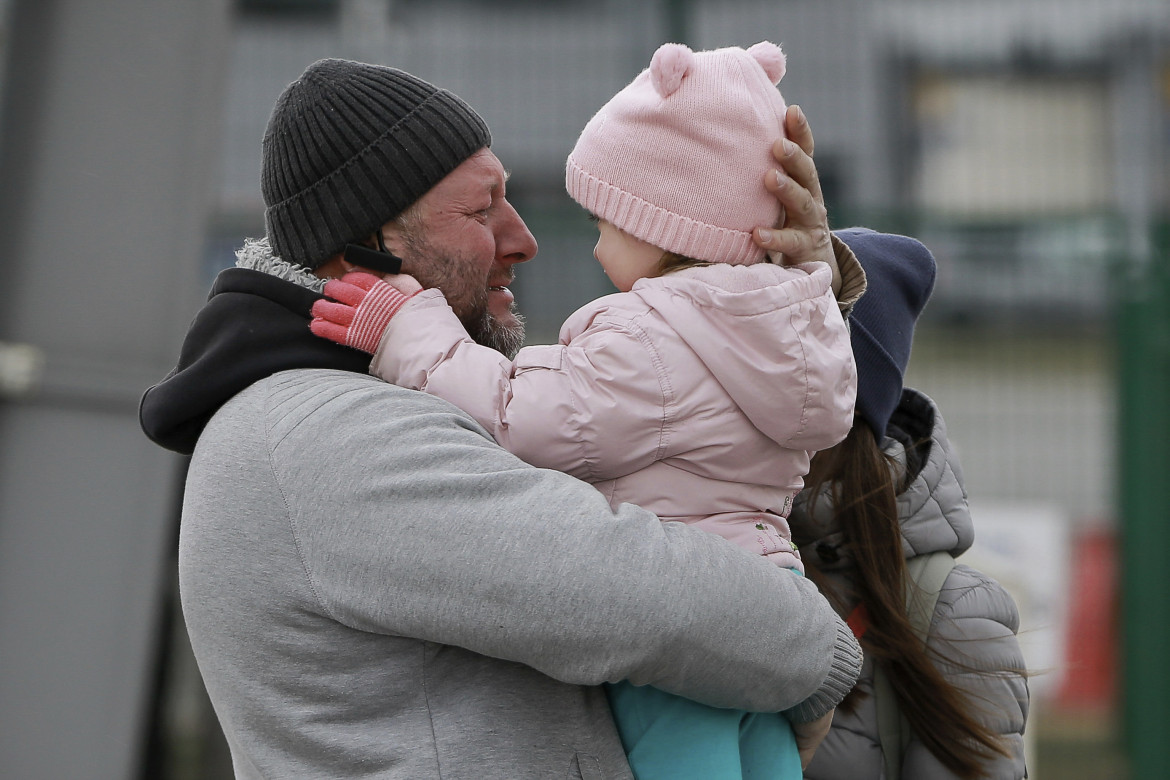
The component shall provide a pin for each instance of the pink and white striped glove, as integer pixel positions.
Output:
(362, 307)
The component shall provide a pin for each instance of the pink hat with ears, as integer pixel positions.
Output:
(678, 157)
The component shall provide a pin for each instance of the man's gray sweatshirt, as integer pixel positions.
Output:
(373, 588)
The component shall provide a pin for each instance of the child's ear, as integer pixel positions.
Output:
(669, 66)
(771, 59)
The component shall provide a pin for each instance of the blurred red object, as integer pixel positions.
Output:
(1090, 679)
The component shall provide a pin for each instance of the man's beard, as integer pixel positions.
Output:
(490, 332)
(469, 301)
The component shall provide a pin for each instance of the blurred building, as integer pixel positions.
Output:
(1015, 137)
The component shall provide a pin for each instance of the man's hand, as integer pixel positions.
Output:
(810, 735)
(362, 307)
(803, 235)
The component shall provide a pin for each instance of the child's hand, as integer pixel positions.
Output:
(362, 307)
(809, 736)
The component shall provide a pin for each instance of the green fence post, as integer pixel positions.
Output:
(1144, 482)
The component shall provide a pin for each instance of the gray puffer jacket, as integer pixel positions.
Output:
(972, 608)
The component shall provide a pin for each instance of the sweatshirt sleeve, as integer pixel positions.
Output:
(974, 634)
(410, 521)
(596, 407)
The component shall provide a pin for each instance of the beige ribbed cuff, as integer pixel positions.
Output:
(852, 276)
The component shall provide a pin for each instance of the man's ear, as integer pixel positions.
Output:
(333, 268)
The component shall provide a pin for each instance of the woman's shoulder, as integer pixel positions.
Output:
(974, 605)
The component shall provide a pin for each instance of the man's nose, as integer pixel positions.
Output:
(514, 242)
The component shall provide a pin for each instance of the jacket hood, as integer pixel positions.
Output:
(754, 334)
(932, 510)
(255, 323)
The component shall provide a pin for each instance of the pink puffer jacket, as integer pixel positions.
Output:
(700, 395)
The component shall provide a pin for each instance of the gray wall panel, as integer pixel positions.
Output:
(111, 121)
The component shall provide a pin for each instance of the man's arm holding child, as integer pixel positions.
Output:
(531, 565)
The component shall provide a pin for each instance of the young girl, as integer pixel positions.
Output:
(699, 392)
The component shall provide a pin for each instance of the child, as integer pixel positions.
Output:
(699, 391)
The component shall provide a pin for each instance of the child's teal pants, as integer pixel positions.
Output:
(667, 737)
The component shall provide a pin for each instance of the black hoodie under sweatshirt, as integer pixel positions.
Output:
(253, 326)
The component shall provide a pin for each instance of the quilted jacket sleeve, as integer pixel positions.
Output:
(595, 408)
(975, 626)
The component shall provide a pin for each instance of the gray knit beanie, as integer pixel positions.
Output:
(349, 146)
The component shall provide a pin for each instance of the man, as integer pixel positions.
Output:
(371, 585)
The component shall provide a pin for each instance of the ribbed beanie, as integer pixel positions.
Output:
(349, 146)
(899, 273)
(678, 157)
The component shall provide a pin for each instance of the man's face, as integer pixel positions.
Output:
(463, 237)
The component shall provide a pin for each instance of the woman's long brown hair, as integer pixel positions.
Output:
(864, 495)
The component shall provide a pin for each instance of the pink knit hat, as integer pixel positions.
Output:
(678, 157)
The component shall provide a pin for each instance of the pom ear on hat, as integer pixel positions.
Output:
(771, 59)
(669, 67)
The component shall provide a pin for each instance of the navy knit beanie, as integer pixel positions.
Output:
(900, 273)
(349, 146)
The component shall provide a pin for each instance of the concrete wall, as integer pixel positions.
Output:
(109, 128)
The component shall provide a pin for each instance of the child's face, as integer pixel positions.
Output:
(624, 258)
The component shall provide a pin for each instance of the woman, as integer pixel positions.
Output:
(893, 490)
